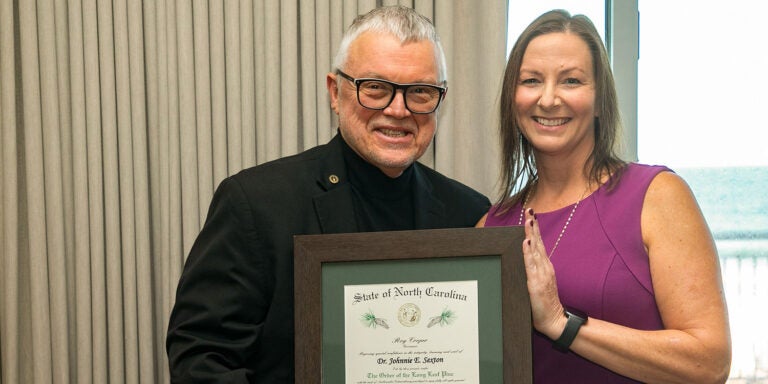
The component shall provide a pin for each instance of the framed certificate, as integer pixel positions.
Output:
(424, 306)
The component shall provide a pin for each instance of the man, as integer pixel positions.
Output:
(233, 317)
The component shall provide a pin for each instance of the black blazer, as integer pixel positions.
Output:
(233, 317)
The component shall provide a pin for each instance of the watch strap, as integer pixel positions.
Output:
(572, 326)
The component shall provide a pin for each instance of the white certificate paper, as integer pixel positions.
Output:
(411, 333)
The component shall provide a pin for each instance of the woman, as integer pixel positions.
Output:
(622, 270)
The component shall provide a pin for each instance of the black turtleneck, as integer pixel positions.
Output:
(381, 203)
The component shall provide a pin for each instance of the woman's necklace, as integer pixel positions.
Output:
(567, 221)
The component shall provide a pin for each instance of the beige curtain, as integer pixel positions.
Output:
(120, 117)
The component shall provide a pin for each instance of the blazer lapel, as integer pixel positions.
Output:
(430, 212)
(333, 206)
(335, 211)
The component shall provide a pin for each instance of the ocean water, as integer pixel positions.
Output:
(735, 204)
(734, 201)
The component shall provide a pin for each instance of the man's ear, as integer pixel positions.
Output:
(333, 91)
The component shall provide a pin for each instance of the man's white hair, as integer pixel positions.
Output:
(399, 21)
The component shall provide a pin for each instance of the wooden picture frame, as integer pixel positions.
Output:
(417, 252)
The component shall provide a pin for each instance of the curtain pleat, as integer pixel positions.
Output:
(114, 305)
(166, 261)
(119, 119)
(12, 203)
(218, 95)
(32, 105)
(307, 65)
(232, 81)
(138, 136)
(247, 84)
(83, 329)
(467, 133)
(289, 77)
(200, 52)
(316, 60)
(271, 79)
(94, 157)
(125, 178)
(259, 73)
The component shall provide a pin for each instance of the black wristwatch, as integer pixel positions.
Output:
(576, 319)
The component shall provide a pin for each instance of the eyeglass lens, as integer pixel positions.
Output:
(378, 94)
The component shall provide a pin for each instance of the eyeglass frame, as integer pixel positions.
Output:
(396, 86)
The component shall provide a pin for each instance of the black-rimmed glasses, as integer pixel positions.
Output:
(377, 94)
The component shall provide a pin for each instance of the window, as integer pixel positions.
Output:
(691, 82)
(701, 92)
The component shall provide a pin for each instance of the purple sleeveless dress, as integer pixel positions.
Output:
(601, 267)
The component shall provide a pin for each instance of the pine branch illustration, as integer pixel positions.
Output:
(445, 318)
(370, 320)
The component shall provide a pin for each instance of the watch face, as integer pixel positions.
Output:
(575, 312)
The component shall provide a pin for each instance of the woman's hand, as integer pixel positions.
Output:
(546, 309)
